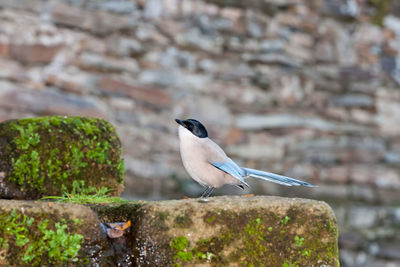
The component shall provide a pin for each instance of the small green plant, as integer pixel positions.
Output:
(255, 228)
(285, 220)
(299, 249)
(289, 264)
(26, 169)
(253, 240)
(204, 256)
(27, 166)
(81, 194)
(16, 225)
(306, 253)
(77, 221)
(179, 243)
(298, 241)
(60, 245)
(211, 219)
(38, 240)
(28, 136)
(180, 247)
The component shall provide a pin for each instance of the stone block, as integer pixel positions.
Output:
(30, 5)
(388, 116)
(34, 53)
(47, 156)
(243, 231)
(362, 217)
(44, 233)
(273, 121)
(96, 62)
(354, 101)
(232, 231)
(142, 93)
(99, 22)
(4, 49)
(72, 81)
(50, 102)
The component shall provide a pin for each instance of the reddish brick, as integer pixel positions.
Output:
(144, 93)
(51, 103)
(74, 82)
(4, 49)
(97, 22)
(33, 53)
(235, 136)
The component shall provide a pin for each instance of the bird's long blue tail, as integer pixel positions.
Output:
(276, 178)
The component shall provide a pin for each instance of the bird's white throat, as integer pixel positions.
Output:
(185, 134)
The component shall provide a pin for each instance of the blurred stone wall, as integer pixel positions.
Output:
(310, 89)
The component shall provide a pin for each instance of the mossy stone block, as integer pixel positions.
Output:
(44, 156)
(34, 233)
(236, 231)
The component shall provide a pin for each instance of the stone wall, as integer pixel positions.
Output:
(309, 89)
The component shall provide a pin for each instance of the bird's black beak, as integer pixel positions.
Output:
(180, 122)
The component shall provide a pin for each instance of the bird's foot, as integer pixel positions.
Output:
(207, 192)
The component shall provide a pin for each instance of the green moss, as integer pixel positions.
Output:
(210, 219)
(117, 212)
(254, 238)
(182, 253)
(162, 216)
(261, 238)
(183, 221)
(26, 242)
(179, 246)
(285, 220)
(45, 153)
(77, 221)
(382, 8)
(289, 264)
(160, 221)
(300, 253)
(298, 241)
(179, 243)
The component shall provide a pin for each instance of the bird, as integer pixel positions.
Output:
(208, 164)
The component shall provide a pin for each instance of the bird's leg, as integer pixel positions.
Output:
(210, 190)
(205, 192)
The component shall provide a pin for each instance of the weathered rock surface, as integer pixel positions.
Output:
(236, 231)
(44, 156)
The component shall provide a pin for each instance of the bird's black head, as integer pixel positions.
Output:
(194, 126)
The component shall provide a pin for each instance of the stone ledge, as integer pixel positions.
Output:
(245, 231)
(234, 231)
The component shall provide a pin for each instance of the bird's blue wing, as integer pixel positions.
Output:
(231, 168)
